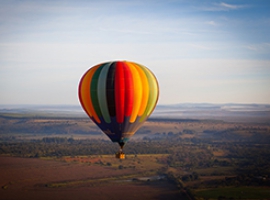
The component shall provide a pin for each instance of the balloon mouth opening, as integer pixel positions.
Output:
(121, 144)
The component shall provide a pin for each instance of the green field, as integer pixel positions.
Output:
(235, 193)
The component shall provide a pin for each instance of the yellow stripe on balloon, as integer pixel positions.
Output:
(153, 87)
(137, 84)
(145, 89)
(85, 94)
(153, 94)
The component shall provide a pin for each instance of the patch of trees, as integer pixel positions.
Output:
(188, 131)
(57, 140)
(50, 146)
(249, 161)
(62, 146)
(190, 157)
(241, 134)
(238, 180)
(57, 126)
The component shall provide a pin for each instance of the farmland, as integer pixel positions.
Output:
(67, 157)
(28, 178)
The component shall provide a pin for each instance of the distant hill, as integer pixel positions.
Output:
(228, 112)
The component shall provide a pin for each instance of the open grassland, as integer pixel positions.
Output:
(144, 162)
(132, 168)
(28, 178)
(21, 127)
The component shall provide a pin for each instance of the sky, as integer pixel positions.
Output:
(200, 51)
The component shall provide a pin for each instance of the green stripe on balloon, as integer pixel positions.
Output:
(154, 92)
(93, 91)
(110, 88)
(101, 92)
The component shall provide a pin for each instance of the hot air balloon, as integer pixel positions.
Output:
(118, 97)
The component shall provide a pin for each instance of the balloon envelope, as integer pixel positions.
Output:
(118, 96)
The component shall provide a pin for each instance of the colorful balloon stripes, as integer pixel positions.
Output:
(118, 96)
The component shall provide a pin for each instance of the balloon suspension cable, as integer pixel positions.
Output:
(121, 149)
(121, 154)
(121, 146)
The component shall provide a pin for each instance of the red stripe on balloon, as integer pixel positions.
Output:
(129, 95)
(119, 92)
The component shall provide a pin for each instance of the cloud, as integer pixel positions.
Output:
(261, 47)
(230, 6)
(223, 7)
(213, 23)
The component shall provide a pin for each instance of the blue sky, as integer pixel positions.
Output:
(200, 51)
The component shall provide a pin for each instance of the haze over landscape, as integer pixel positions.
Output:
(208, 137)
(200, 51)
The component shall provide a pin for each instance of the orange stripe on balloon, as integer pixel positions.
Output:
(137, 84)
(84, 93)
(145, 89)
